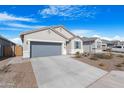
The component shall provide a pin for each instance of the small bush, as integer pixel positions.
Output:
(108, 50)
(77, 55)
(121, 56)
(101, 64)
(85, 54)
(93, 58)
(104, 56)
(118, 65)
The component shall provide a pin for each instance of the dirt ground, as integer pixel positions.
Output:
(17, 75)
(115, 63)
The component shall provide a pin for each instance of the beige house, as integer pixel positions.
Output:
(50, 41)
(92, 45)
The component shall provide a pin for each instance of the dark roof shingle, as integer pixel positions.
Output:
(1, 37)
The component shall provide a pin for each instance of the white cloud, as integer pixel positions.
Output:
(17, 25)
(10, 29)
(55, 10)
(117, 37)
(69, 11)
(16, 40)
(93, 33)
(8, 17)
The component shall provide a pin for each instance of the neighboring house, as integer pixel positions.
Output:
(115, 42)
(115, 45)
(122, 43)
(92, 45)
(6, 47)
(104, 44)
(111, 44)
(50, 41)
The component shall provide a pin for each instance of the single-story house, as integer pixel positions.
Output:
(111, 44)
(104, 44)
(115, 42)
(92, 45)
(122, 43)
(6, 47)
(50, 41)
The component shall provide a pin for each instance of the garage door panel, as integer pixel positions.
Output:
(42, 49)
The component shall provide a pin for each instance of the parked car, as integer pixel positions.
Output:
(118, 48)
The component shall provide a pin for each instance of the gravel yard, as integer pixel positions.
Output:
(108, 64)
(18, 75)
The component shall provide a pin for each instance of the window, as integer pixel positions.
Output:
(77, 44)
(98, 44)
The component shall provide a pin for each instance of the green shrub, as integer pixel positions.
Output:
(77, 55)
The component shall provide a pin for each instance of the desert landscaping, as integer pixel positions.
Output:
(105, 61)
(18, 75)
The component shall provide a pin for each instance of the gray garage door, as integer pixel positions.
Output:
(42, 49)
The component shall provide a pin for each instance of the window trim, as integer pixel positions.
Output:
(77, 44)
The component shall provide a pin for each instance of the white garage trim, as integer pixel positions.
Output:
(44, 40)
(27, 53)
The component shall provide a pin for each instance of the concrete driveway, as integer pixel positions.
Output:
(64, 72)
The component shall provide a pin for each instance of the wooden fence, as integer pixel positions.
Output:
(9, 51)
(18, 50)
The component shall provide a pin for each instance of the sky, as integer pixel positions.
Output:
(106, 22)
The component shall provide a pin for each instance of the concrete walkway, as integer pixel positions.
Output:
(64, 72)
(114, 79)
